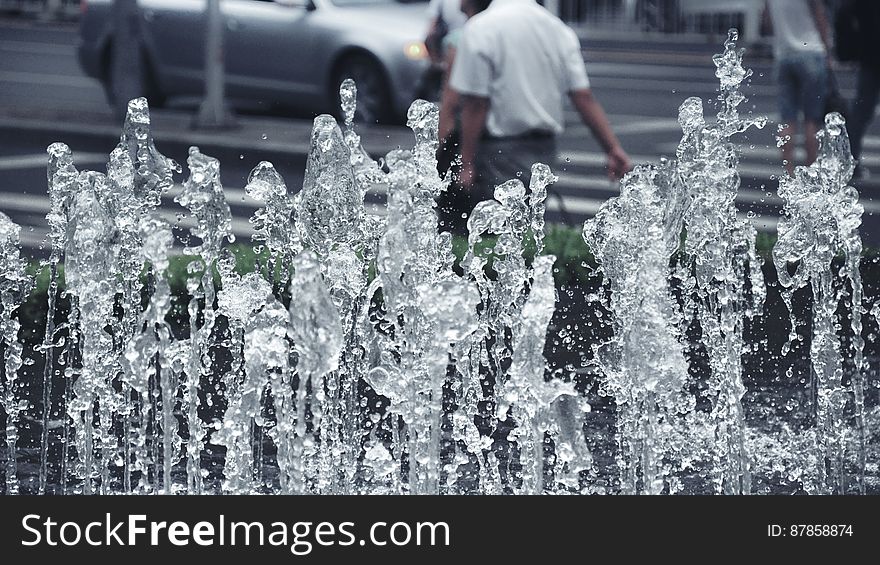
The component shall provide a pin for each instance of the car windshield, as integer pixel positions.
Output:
(343, 3)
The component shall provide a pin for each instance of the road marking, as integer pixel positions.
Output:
(772, 154)
(688, 75)
(579, 208)
(747, 169)
(67, 81)
(678, 87)
(294, 140)
(34, 47)
(644, 125)
(25, 202)
(234, 196)
(622, 56)
(571, 181)
(241, 227)
(41, 160)
(683, 88)
(593, 158)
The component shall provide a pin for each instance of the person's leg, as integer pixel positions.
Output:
(814, 81)
(502, 160)
(788, 132)
(811, 144)
(789, 96)
(863, 108)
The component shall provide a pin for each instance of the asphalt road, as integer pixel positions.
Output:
(45, 97)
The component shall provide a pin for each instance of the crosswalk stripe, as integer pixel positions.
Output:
(743, 196)
(67, 81)
(871, 142)
(576, 206)
(40, 204)
(40, 160)
(577, 209)
(24, 202)
(747, 167)
(33, 47)
(682, 87)
(766, 153)
(690, 73)
(238, 198)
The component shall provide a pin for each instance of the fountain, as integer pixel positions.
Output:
(375, 354)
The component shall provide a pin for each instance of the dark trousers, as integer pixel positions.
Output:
(863, 108)
(499, 159)
(502, 159)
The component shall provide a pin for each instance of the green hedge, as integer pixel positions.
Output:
(574, 267)
(574, 262)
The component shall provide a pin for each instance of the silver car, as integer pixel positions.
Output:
(292, 53)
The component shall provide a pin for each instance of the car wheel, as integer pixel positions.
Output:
(373, 94)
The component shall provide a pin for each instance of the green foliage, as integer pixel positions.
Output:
(764, 243)
(574, 262)
(573, 259)
(574, 265)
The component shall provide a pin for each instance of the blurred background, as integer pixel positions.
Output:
(281, 59)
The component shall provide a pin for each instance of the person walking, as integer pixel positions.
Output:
(446, 19)
(865, 17)
(454, 201)
(514, 67)
(449, 100)
(801, 48)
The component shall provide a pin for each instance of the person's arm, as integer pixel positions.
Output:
(821, 19)
(594, 117)
(434, 36)
(474, 110)
(434, 42)
(448, 100)
(766, 20)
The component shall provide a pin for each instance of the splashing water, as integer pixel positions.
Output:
(720, 266)
(718, 275)
(822, 217)
(633, 238)
(15, 285)
(361, 357)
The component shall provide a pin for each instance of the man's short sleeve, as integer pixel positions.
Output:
(575, 69)
(472, 69)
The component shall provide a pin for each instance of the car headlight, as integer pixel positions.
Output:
(415, 50)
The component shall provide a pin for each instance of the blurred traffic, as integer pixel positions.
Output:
(643, 59)
(287, 53)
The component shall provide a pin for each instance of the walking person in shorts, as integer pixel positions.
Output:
(801, 47)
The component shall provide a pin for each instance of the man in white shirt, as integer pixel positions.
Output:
(515, 64)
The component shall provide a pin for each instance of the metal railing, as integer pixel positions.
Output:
(665, 16)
